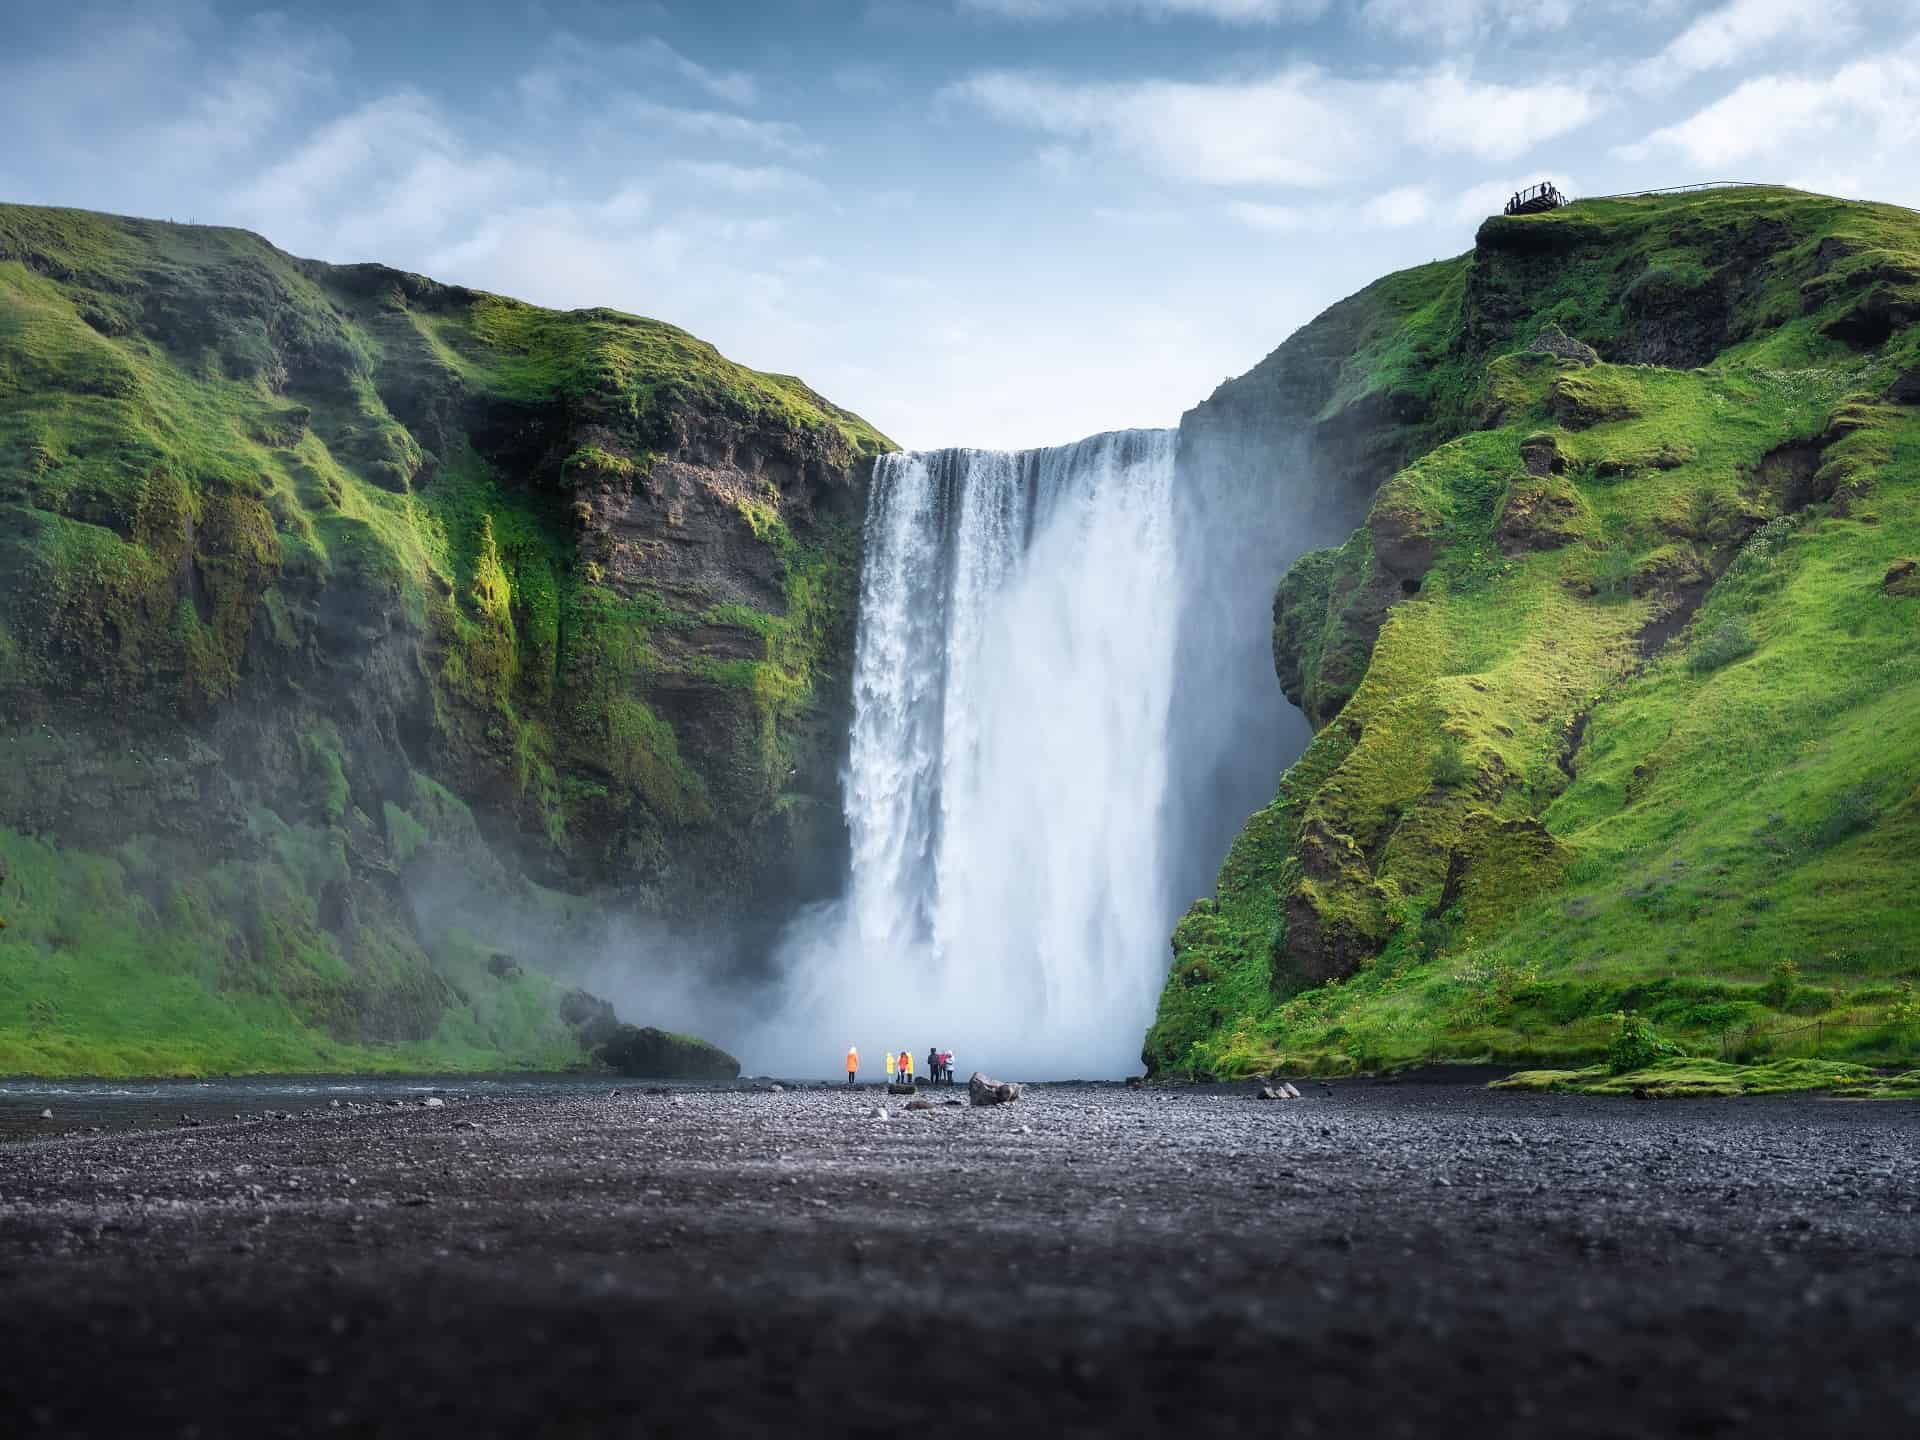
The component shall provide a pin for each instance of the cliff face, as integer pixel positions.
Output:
(1602, 685)
(341, 611)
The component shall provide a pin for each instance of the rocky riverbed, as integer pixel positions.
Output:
(1367, 1260)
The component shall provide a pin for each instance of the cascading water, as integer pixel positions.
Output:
(1007, 779)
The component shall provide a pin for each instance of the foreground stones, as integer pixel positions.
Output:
(1156, 1260)
(984, 1090)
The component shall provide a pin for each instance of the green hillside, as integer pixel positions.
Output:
(1615, 690)
(327, 592)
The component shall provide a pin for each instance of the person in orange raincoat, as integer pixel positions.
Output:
(853, 1063)
(906, 1067)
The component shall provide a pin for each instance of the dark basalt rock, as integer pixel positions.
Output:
(983, 1090)
(646, 1053)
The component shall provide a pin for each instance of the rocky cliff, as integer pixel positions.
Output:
(1608, 685)
(344, 613)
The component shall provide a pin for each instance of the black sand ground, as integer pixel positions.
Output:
(1405, 1260)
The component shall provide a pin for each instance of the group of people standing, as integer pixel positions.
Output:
(900, 1066)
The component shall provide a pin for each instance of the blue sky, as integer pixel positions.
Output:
(990, 222)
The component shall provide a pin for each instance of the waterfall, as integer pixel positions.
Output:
(1006, 788)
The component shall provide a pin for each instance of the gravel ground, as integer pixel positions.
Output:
(1370, 1260)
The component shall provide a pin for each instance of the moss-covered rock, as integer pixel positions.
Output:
(1581, 670)
(347, 580)
(647, 1053)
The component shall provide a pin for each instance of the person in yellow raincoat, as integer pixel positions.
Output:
(889, 1067)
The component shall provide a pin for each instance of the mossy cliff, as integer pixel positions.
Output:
(1614, 687)
(327, 588)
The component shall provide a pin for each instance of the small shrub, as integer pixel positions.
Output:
(1635, 1045)
(1782, 984)
(1906, 1006)
(1613, 573)
(1847, 813)
(1451, 767)
(1729, 641)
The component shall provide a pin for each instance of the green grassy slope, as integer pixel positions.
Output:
(306, 587)
(1546, 788)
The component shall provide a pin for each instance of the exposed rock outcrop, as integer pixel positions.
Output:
(649, 1054)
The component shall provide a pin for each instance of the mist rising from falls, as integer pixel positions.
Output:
(1017, 864)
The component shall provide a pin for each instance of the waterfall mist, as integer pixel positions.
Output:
(1017, 677)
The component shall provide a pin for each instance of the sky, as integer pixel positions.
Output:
(983, 222)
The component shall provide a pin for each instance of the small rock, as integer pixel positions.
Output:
(986, 1091)
(876, 1113)
(1292, 1094)
(333, 1104)
(919, 1105)
(1440, 1182)
(434, 1102)
(1267, 1092)
(776, 1089)
(46, 1114)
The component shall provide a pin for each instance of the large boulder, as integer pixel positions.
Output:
(644, 1052)
(985, 1091)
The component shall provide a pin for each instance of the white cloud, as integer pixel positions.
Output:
(567, 58)
(386, 177)
(1735, 32)
(1389, 210)
(1232, 12)
(1868, 105)
(1459, 20)
(716, 125)
(748, 179)
(1406, 205)
(158, 100)
(1299, 127)
(1275, 219)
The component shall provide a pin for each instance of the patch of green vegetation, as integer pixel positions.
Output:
(1544, 793)
(228, 475)
(133, 965)
(1682, 1078)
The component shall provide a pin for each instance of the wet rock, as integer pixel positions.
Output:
(920, 1105)
(983, 1090)
(433, 1102)
(46, 1114)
